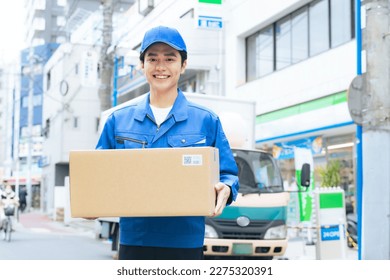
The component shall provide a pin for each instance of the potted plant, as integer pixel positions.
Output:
(330, 175)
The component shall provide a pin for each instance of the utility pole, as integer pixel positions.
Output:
(106, 59)
(376, 133)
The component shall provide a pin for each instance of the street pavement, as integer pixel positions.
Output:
(38, 222)
(38, 237)
(299, 249)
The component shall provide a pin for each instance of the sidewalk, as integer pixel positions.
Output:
(297, 249)
(40, 222)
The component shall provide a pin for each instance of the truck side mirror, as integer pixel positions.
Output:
(305, 175)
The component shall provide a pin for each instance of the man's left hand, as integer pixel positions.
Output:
(223, 193)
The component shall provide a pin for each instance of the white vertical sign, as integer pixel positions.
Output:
(88, 68)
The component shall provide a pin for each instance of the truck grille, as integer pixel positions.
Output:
(241, 235)
(233, 223)
(228, 229)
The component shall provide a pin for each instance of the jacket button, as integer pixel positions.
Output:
(183, 140)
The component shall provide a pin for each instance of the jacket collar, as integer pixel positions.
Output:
(179, 109)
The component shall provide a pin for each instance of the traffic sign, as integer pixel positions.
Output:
(355, 98)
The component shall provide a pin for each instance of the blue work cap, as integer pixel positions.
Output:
(163, 34)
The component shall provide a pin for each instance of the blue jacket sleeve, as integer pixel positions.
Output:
(227, 164)
(107, 137)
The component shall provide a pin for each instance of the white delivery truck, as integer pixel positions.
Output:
(253, 226)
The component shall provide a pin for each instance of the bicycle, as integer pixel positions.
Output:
(9, 211)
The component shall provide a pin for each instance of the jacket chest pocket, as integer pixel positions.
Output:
(187, 140)
(131, 141)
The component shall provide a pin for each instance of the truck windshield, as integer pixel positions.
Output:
(257, 172)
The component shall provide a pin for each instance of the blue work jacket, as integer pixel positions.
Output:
(187, 125)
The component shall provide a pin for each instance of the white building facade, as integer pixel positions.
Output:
(296, 59)
(70, 114)
(8, 116)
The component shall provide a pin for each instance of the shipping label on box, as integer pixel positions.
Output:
(143, 182)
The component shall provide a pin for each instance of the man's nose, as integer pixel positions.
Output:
(160, 65)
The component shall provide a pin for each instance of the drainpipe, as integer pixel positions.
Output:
(359, 130)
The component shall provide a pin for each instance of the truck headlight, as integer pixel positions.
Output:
(279, 232)
(210, 232)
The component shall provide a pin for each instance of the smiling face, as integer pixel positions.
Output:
(162, 67)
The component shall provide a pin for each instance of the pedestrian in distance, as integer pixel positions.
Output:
(163, 114)
(22, 198)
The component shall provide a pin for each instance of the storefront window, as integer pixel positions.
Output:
(334, 148)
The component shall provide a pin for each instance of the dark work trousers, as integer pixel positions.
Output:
(158, 253)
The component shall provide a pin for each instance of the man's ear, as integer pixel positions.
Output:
(183, 67)
(141, 66)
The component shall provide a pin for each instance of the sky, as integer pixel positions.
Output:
(11, 27)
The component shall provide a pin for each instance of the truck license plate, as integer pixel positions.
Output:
(242, 249)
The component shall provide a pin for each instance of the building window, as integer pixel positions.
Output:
(308, 31)
(318, 27)
(342, 28)
(251, 69)
(25, 102)
(75, 122)
(36, 130)
(48, 80)
(61, 21)
(283, 43)
(23, 131)
(38, 41)
(299, 35)
(97, 124)
(61, 39)
(260, 53)
(39, 23)
(37, 100)
(189, 85)
(61, 3)
(46, 129)
(40, 4)
(265, 54)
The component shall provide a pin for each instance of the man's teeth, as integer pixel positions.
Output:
(161, 76)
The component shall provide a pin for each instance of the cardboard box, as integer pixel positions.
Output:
(143, 182)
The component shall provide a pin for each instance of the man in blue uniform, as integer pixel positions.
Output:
(165, 118)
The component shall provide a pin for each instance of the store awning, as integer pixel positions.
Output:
(21, 181)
